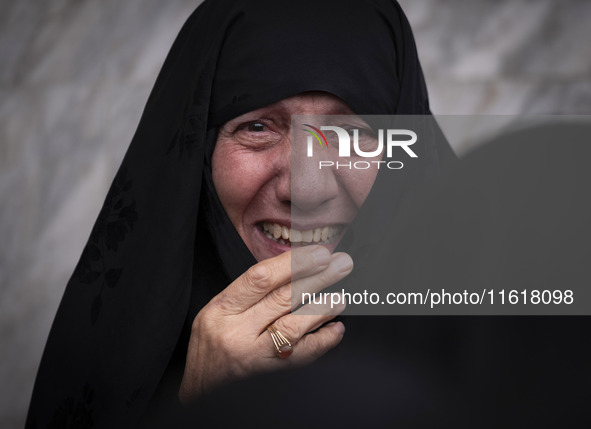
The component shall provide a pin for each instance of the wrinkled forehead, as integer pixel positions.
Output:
(276, 49)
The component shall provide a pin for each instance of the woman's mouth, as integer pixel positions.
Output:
(289, 236)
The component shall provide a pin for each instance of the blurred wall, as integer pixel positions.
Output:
(75, 74)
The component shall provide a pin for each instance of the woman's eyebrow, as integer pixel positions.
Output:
(278, 115)
(256, 114)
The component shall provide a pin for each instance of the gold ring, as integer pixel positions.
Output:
(282, 344)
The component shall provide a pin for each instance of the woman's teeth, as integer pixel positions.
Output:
(285, 235)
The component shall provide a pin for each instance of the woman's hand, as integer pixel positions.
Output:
(229, 337)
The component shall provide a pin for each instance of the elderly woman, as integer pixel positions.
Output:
(184, 271)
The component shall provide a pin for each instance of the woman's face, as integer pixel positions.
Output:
(273, 193)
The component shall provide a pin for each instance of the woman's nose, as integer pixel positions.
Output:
(311, 185)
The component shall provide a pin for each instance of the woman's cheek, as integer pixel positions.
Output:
(357, 183)
(238, 176)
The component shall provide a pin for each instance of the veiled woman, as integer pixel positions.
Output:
(180, 278)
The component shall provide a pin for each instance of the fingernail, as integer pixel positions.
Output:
(321, 255)
(342, 263)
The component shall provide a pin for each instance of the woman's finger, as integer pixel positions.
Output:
(287, 298)
(307, 288)
(313, 346)
(296, 326)
(270, 274)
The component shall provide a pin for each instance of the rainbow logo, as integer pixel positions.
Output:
(316, 135)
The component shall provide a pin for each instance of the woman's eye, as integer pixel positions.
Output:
(257, 127)
(257, 134)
